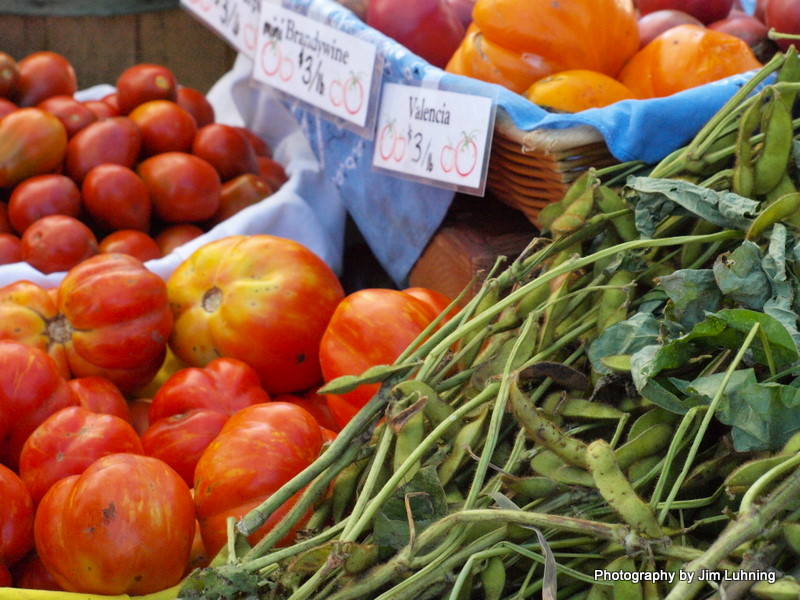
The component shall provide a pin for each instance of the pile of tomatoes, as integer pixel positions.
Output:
(138, 415)
(140, 171)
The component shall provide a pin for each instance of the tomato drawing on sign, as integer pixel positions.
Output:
(391, 145)
(250, 35)
(271, 58)
(205, 5)
(348, 93)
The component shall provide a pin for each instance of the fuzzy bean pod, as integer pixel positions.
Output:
(773, 158)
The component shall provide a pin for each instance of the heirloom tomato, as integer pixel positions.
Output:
(182, 186)
(165, 127)
(133, 242)
(227, 149)
(57, 243)
(73, 114)
(100, 394)
(225, 385)
(143, 82)
(314, 403)
(116, 198)
(180, 439)
(263, 299)
(115, 140)
(123, 526)
(16, 518)
(369, 327)
(42, 75)
(6, 579)
(40, 196)
(32, 141)
(30, 573)
(114, 320)
(31, 389)
(67, 442)
(259, 449)
(27, 315)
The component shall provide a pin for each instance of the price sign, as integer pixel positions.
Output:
(316, 63)
(235, 20)
(437, 136)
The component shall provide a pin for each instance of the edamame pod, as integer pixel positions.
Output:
(651, 441)
(609, 201)
(580, 409)
(741, 478)
(408, 439)
(742, 182)
(467, 437)
(493, 578)
(773, 158)
(786, 588)
(625, 589)
(548, 464)
(614, 300)
(618, 491)
(649, 418)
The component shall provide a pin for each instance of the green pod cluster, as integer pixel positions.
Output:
(773, 157)
(742, 182)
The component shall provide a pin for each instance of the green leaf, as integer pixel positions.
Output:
(427, 503)
(740, 276)
(623, 337)
(656, 199)
(693, 293)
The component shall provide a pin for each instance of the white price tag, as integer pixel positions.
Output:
(434, 135)
(318, 64)
(235, 20)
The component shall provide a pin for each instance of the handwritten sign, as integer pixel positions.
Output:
(438, 136)
(316, 63)
(234, 20)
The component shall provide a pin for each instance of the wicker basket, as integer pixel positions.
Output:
(530, 169)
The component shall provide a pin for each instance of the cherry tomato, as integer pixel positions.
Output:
(9, 74)
(16, 518)
(117, 198)
(44, 74)
(226, 149)
(67, 442)
(40, 196)
(165, 127)
(57, 243)
(176, 235)
(142, 82)
(123, 526)
(72, 113)
(183, 187)
(115, 140)
(10, 251)
(24, 407)
(196, 104)
(131, 241)
(180, 439)
(259, 449)
(99, 394)
(369, 327)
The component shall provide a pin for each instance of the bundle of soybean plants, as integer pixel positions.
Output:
(615, 414)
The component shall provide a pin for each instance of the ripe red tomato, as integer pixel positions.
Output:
(10, 252)
(57, 243)
(165, 127)
(180, 439)
(102, 110)
(369, 327)
(237, 194)
(266, 302)
(197, 104)
(272, 172)
(314, 403)
(16, 518)
(225, 385)
(7, 107)
(5, 223)
(142, 82)
(118, 320)
(227, 149)
(123, 526)
(256, 141)
(67, 442)
(436, 300)
(100, 394)
(183, 187)
(112, 100)
(115, 140)
(259, 449)
(32, 141)
(28, 314)
(24, 407)
(131, 241)
(9, 74)
(176, 235)
(117, 198)
(42, 75)
(30, 573)
(40, 196)
(707, 11)
(71, 112)
(784, 16)
(139, 409)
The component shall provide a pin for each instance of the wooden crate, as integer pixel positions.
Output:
(475, 232)
(101, 47)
